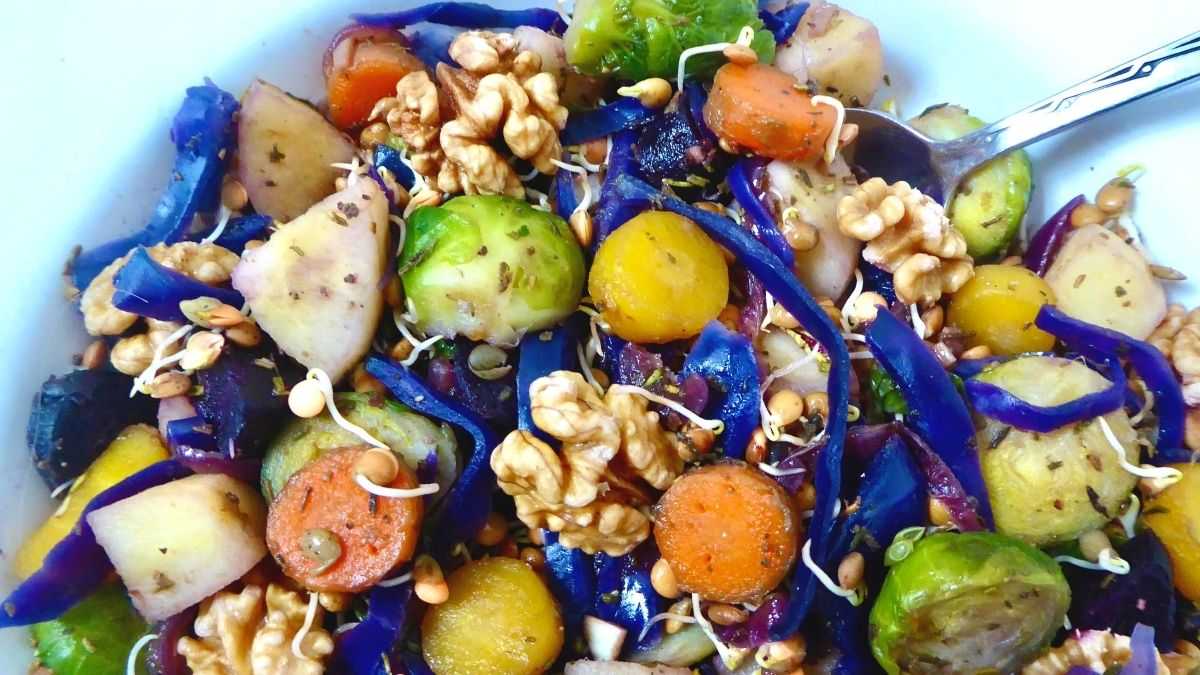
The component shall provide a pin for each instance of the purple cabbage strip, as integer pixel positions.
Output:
(1104, 601)
(469, 501)
(493, 400)
(1049, 238)
(238, 231)
(239, 401)
(781, 283)
(1001, 405)
(431, 43)
(565, 199)
(361, 649)
(754, 309)
(77, 565)
(611, 210)
(627, 578)
(201, 461)
(1081, 670)
(635, 365)
(1143, 657)
(162, 657)
(943, 484)
(727, 360)
(191, 432)
(625, 114)
(146, 288)
(757, 629)
(761, 223)
(783, 23)
(202, 132)
(694, 393)
(540, 357)
(692, 100)
(1103, 344)
(571, 575)
(467, 15)
(938, 414)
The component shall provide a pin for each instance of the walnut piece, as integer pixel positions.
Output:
(1178, 338)
(592, 492)
(1098, 650)
(207, 263)
(250, 633)
(499, 91)
(907, 234)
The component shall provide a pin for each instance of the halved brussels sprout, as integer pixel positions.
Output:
(991, 201)
(967, 603)
(412, 437)
(490, 268)
(1052, 487)
(636, 39)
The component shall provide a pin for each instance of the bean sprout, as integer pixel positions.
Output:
(395, 493)
(858, 289)
(223, 215)
(1129, 518)
(728, 654)
(831, 143)
(772, 470)
(681, 618)
(322, 379)
(822, 577)
(715, 426)
(396, 581)
(131, 664)
(745, 37)
(1107, 561)
(142, 381)
(586, 202)
(309, 617)
(1165, 473)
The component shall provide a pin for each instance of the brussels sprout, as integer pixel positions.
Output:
(93, 637)
(408, 434)
(991, 202)
(636, 39)
(964, 603)
(1052, 487)
(490, 268)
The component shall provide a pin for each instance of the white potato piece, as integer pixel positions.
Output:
(621, 668)
(285, 149)
(1099, 278)
(176, 544)
(838, 50)
(814, 191)
(314, 287)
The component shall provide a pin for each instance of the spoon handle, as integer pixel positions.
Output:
(1167, 66)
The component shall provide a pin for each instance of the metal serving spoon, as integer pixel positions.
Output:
(890, 149)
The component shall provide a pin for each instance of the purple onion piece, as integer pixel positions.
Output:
(200, 461)
(693, 392)
(754, 310)
(943, 484)
(635, 365)
(1049, 238)
(757, 629)
(441, 375)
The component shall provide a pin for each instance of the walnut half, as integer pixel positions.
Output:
(907, 234)
(595, 490)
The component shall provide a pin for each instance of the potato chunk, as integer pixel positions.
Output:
(178, 543)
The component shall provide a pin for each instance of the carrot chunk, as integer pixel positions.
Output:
(728, 532)
(370, 73)
(330, 534)
(765, 110)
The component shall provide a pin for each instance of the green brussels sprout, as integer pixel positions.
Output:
(411, 436)
(967, 603)
(636, 39)
(1047, 488)
(490, 268)
(991, 202)
(93, 637)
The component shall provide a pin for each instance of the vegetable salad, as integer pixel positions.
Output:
(570, 343)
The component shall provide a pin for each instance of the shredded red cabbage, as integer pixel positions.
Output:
(467, 15)
(1049, 239)
(625, 114)
(360, 650)
(1143, 657)
(783, 23)
(758, 218)
(146, 288)
(1000, 404)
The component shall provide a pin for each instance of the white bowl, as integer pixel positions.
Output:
(90, 89)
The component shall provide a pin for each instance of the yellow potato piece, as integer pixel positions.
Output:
(659, 278)
(134, 449)
(1174, 515)
(997, 307)
(500, 619)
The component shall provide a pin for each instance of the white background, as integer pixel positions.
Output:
(89, 89)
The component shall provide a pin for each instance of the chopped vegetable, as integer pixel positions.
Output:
(1049, 238)
(468, 269)
(994, 401)
(1104, 601)
(967, 602)
(202, 132)
(626, 597)
(685, 647)
(643, 269)
(613, 211)
(500, 618)
(466, 15)
(239, 231)
(363, 64)
(541, 354)
(1173, 515)
(412, 437)
(620, 115)
(757, 217)
(1100, 279)
(990, 203)
(75, 416)
(1053, 486)
(996, 308)
(466, 507)
(638, 39)
(728, 531)
(134, 449)
(784, 22)
(330, 534)
(727, 360)
(837, 51)
(945, 423)
(92, 638)
(175, 544)
(241, 402)
(77, 565)
(146, 288)
(571, 576)
(285, 152)
(314, 286)
(768, 112)
(359, 648)
(674, 148)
